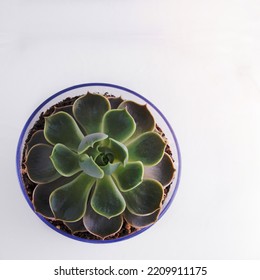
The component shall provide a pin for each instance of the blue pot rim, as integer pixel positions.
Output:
(20, 149)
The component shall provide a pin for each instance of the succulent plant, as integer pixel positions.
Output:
(97, 163)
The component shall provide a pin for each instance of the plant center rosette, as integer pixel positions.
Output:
(98, 164)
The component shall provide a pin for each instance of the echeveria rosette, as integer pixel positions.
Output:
(97, 163)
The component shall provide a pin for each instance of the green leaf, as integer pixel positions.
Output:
(143, 118)
(110, 168)
(163, 171)
(89, 111)
(68, 202)
(62, 128)
(100, 225)
(41, 196)
(42, 192)
(130, 176)
(107, 199)
(39, 166)
(148, 148)
(76, 226)
(37, 138)
(68, 109)
(115, 101)
(145, 199)
(141, 221)
(118, 124)
(119, 151)
(88, 166)
(89, 140)
(65, 161)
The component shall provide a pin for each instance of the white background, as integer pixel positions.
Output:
(198, 61)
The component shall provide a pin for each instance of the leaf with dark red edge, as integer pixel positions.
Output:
(100, 225)
(39, 166)
(37, 138)
(76, 226)
(42, 192)
(163, 171)
(141, 221)
(145, 199)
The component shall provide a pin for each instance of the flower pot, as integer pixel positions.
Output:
(163, 126)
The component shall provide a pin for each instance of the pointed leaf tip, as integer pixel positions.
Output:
(142, 116)
(39, 165)
(141, 221)
(68, 202)
(148, 148)
(100, 225)
(65, 161)
(89, 111)
(130, 176)
(163, 171)
(119, 150)
(89, 140)
(62, 128)
(118, 124)
(145, 199)
(107, 199)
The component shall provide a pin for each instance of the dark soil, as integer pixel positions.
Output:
(30, 186)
